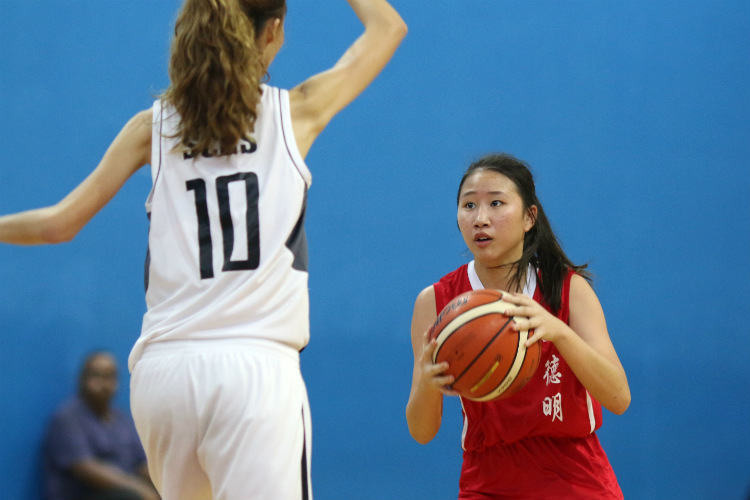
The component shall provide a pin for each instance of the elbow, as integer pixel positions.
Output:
(420, 436)
(54, 228)
(620, 404)
(54, 236)
(421, 433)
(398, 30)
(625, 404)
(421, 440)
(53, 233)
(391, 27)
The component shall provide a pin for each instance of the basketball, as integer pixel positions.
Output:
(488, 359)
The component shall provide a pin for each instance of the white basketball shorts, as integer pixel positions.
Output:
(223, 420)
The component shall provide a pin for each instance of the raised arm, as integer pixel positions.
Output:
(424, 411)
(316, 100)
(59, 223)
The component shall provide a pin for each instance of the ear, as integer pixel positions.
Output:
(530, 218)
(271, 30)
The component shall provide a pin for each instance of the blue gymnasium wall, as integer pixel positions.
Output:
(635, 116)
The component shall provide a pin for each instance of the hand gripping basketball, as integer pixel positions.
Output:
(486, 356)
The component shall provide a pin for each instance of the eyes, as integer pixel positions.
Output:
(470, 205)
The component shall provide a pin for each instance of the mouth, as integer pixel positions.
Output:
(482, 239)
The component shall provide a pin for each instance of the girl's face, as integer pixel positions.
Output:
(492, 218)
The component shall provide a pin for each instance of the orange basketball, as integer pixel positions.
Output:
(488, 359)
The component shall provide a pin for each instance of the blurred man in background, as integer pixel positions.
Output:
(92, 451)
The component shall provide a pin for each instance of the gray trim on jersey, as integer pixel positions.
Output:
(297, 241)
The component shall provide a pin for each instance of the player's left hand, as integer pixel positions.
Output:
(530, 315)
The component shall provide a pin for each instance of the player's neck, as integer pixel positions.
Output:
(499, 277)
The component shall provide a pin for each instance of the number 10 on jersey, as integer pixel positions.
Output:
(252, 224)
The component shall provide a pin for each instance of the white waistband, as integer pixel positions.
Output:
(186, 347)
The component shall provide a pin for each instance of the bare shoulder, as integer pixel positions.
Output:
(146, 116)
(135, 139)
(142, 121)
(586, 314)
(137, 130)
(580, 289)
(426, 298)
(424, 310)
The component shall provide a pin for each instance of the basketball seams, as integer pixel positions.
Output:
(494, 307)
(513, 372)
(484, 349)
(459, 313)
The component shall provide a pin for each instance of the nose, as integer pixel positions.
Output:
(481, 218)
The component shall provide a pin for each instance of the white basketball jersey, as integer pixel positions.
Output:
(227, 248)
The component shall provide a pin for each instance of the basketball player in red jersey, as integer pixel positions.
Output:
(539, 443)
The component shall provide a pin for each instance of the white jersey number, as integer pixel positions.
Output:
(252, 224)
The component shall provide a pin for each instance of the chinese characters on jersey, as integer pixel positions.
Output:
(552, 406)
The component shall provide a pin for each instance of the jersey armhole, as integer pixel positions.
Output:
(439, 289)
(564, 298)
(288, 134)
(157, 143)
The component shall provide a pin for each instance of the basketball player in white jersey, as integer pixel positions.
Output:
(216, 390)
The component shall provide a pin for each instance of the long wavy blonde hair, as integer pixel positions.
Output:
(215, 70)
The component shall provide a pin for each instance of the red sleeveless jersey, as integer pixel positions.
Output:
(539, 443)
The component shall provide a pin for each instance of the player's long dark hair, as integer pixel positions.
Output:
(540, 245)
(216, 68)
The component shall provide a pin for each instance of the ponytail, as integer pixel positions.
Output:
(215, 71)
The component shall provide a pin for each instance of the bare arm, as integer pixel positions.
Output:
(424, 411)
(317, 100)
(590, 353)
(129, 151)
(100, 475)
(585, 344)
